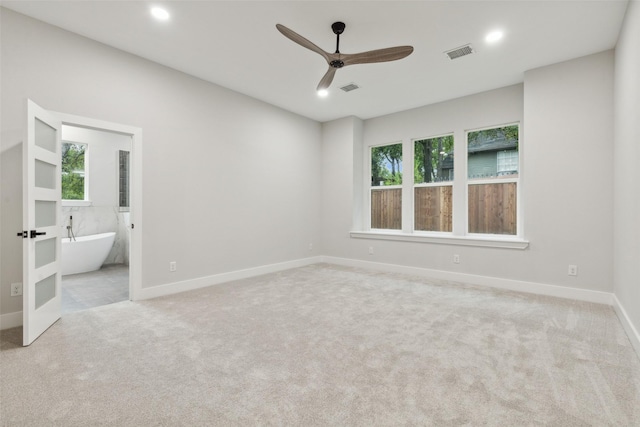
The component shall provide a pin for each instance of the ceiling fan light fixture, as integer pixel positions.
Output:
(323, 93)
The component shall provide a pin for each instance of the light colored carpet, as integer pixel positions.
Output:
(326, 345)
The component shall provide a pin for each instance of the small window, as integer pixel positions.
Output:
(508, 162)
(386, 187)
(123, 180)
(74, 186)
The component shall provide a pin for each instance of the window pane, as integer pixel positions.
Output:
(386, 165)
(45, 175)
(483, 153)
(123, 181)
(73, 157)
(386, 208)
(45, 290)
(45, 136)
(492, 208)
(433, 208)
(433, 159)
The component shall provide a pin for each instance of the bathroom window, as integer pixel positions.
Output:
(74, 172)
(123, 180)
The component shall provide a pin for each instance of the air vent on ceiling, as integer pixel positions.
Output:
(460, 51)
(350, 87)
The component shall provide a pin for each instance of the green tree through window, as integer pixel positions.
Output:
(73, 158)
(433, 159)
(386, 165)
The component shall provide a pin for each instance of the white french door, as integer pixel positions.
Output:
(41, 223)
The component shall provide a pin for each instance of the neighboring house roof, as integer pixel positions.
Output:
(498, 143)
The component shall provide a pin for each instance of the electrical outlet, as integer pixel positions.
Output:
(16, 289)
(370, 250)
(456, 259)
(173, 266)
(573, 270)
(310, 246)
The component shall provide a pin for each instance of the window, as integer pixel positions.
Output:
(480, 201)
(123, 180)
(507, 162)
(433, 184)
(492, 172)
(74, 186)
(386, 187)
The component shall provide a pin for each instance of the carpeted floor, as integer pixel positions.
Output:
(326, 345)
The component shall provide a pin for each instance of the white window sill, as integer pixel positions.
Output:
(487, 242)
(72, 203)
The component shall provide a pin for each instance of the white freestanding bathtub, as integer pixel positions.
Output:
(86, 253)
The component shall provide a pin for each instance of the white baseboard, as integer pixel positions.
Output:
(10, 320)
(629, 328)
(216, 279)
(472, 279)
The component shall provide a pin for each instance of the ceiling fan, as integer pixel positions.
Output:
(338, 60)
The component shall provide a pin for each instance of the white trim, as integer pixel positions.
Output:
(10, 320)
(486, 281)
(216, 279)
(494, 180)
(627, 324)
(444, 239)
(434, 184)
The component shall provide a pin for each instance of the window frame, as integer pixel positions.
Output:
(86, 201)
(497, 179)
(372, 188)
(448, 183)
(460, 189)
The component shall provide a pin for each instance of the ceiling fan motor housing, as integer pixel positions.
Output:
(338, 27)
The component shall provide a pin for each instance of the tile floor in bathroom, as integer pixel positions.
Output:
(87, 290)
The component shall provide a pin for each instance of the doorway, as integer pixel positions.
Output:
(95, 177)
(110, 203)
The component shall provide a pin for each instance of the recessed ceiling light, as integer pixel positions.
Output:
(322, 93)
(159, 13)
(494, 36)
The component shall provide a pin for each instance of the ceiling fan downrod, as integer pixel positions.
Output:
(338, 28)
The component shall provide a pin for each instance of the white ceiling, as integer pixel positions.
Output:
(235, 44)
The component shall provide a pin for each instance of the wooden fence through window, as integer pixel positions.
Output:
(492, 208)
(386, 208)
(433, 208)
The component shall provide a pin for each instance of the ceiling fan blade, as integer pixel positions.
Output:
(378, 55)
(327, 79)
(295, 37)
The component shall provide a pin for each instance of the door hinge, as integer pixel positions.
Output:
(23, 234)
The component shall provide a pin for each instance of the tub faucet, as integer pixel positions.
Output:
(70, 229)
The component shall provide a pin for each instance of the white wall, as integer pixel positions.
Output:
(566, 184)
(626, 169)
(569, 159)
(228, 182)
